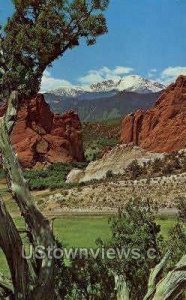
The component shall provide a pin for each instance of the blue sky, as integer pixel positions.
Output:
(146, 37)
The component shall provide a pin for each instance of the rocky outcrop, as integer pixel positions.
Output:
(162, 128)
(41, 137)
(115, 162)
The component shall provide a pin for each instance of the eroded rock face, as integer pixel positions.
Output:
(41, 137)
(162, 128)
(115, 161)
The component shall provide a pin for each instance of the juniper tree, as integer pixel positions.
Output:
(38, 32)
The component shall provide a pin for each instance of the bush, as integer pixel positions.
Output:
(96, 148)
(134, 170)
(157, 165)
(92, 153)
(53, 177)
(109, 174)
(135, 228)
(181, 206)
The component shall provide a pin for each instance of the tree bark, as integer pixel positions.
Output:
(6, 287)
(121, 288)
(12, 246)
(173, 285)
(155, 276)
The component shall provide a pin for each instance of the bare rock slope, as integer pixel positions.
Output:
(115, 161)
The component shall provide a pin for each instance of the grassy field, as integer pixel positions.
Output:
(82, 231)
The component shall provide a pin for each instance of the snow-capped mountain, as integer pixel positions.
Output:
(104, 86)
(68, 92)
(138, 84)
(131, 83)
(106, 100)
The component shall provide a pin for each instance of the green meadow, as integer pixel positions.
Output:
(82, 231)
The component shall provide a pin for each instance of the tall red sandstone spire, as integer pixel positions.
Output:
(162, 128)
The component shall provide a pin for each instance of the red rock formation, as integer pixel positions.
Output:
(39, 136)
(162, 128)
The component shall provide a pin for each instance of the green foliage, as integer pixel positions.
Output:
(169, 164)
(177, 235)
(106, 142)
(181, 206)
(134, 228)
(92, 153)
(52, 177)
(95, 149)
(134, 170)
(39, 32)
(177, 243)
(90, 279)
(157, 165)
(93, 278)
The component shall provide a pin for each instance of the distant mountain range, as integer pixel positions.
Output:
(106, 100)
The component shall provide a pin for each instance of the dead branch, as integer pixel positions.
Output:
(12, 246)
(155, 276)
(173, 285)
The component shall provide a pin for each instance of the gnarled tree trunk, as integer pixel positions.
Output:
(170, 287)
(173, 285)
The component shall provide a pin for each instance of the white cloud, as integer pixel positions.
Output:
(170, 74)
(152, 73)
(122, 70)
(166, 77)
(93, 76)
(49, 83)
(104, 73)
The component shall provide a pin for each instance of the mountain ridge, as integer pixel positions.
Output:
(105, 108)
(106, 100)
(130, 83)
